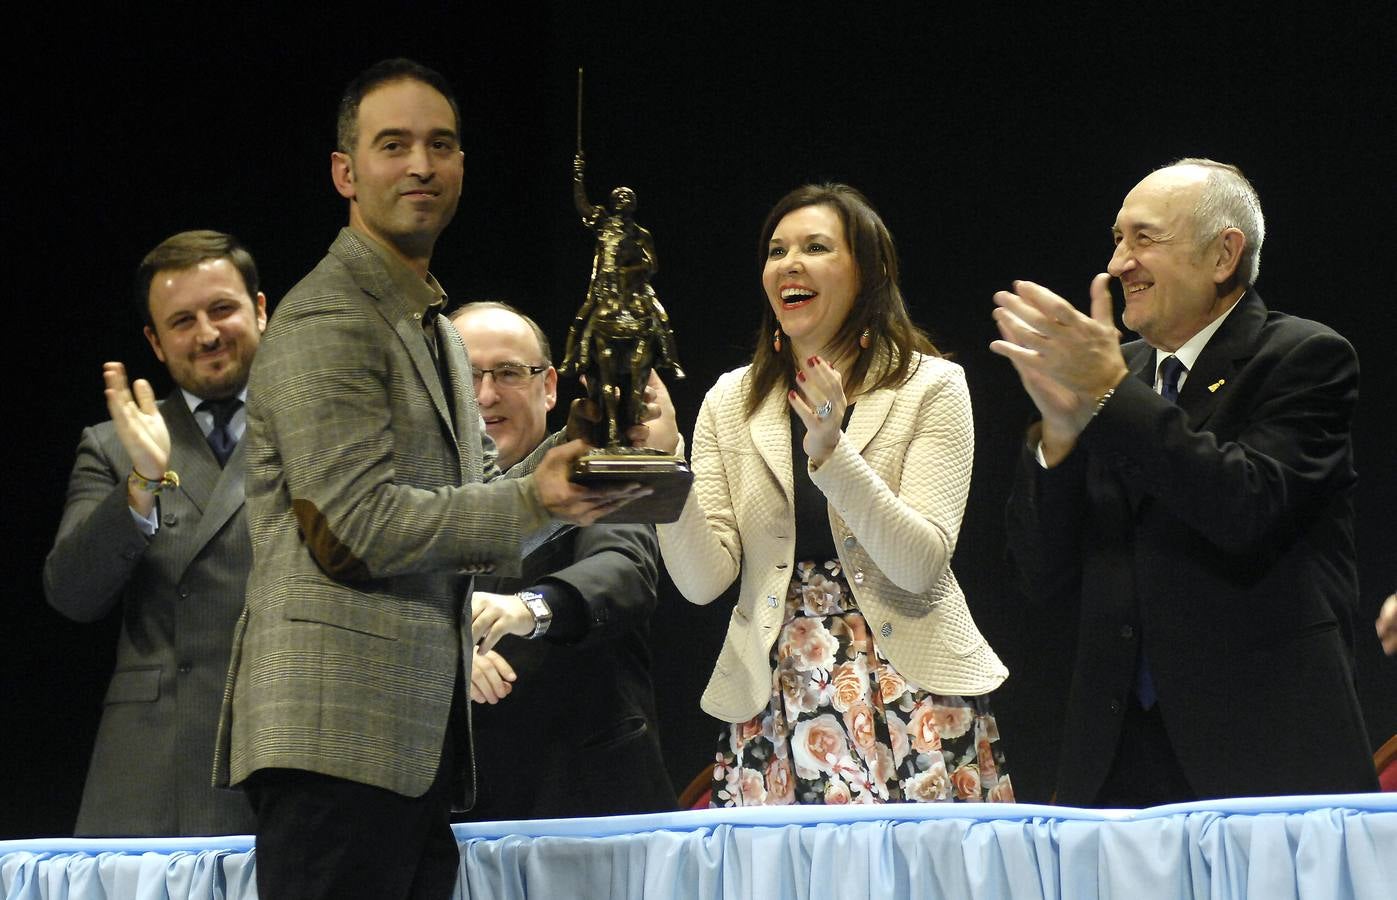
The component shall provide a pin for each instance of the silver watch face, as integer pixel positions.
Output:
(539, 608)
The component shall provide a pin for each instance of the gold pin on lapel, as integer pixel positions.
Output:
(1213, 388)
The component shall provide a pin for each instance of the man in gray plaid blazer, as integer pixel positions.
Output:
(371, 501)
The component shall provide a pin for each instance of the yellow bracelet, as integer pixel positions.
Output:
(153, 485)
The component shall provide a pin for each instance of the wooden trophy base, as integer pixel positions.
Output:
(668, 478)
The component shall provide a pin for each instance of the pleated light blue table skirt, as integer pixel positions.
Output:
(1325, 848)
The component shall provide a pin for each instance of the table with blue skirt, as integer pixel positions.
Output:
(1324, 847)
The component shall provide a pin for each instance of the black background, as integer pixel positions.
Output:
(996, 144)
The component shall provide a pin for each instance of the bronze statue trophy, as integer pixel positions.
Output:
(619, 335)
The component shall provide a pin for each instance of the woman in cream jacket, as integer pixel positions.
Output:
(830, 475)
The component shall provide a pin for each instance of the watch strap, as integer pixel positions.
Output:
(543, 614)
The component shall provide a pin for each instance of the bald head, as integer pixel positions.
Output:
(1223, 198)
(522, 385)
(1179, 268)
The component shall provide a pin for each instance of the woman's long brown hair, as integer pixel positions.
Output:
(894, 339)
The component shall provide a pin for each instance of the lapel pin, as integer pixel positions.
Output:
(1217, 384)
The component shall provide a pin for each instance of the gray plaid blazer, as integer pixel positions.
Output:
(367, 510)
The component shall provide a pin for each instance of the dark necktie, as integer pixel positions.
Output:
(220, 440)
(429, 326)
(1169, 372)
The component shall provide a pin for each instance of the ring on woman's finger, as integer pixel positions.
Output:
(824, 409)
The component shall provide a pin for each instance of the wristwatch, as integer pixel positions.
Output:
(543, 616)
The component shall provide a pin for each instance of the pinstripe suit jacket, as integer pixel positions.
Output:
(367, 509)
(179, 592)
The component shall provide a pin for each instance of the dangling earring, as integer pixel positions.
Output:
(865, 339)
(776, 339)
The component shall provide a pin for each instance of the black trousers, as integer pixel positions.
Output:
(326, 838)
(1145, 771)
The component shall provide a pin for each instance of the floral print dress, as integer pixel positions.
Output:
(842, 725)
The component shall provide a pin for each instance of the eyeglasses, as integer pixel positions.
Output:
(509, 375)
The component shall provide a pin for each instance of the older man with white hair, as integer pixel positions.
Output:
(1190, 496)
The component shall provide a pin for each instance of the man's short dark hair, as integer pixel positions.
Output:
(185, 251)
(375, 76)
(543, 348)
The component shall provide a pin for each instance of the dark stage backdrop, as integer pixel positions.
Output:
(997, 146)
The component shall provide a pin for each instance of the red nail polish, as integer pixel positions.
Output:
(800, 376)
(811, 361)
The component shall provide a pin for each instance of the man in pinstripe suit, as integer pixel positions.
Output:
(174, 556)
(372, 498)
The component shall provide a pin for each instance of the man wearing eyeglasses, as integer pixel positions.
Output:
(565, 721)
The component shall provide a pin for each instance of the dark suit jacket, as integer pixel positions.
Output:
(577, 735)
(367, 513)
(180, 593)
(1218, 533)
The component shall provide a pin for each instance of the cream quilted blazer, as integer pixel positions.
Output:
(896, 485)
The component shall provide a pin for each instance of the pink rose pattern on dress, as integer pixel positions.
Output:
(801, 692)
(953, 719)
(852, 630)
(881, 767)
(861, 724)
(890, 684)
(921, 728)
(984, 757)
(809, 644)
(849, 683)
(819, 746)
(929, 786)
(837, 793)
(780, 782)
(739, 735)
(966, 781)
(843, 726)
(820, 596)
(897, 735)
